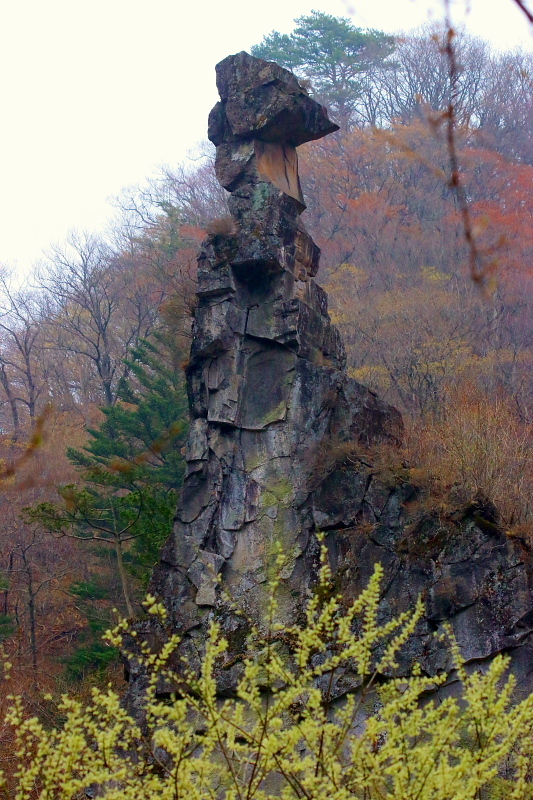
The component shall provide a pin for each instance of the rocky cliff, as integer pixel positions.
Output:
(280, 435)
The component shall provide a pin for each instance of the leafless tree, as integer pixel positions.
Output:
(30, 567)
(24, 366)
(98, 307)
(506, 110)
(417, 84)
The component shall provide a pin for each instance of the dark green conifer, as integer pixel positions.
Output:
(330, 52)
(131, 471)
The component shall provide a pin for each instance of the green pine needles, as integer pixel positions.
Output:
(332, 54)
(131, 470)
(280, 736)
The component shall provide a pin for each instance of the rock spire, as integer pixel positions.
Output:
(267, 391)
(272, 411)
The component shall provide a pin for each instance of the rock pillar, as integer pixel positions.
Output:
(268, 394)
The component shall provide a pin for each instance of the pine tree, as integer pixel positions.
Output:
(136, 454)
(332, 54)
(131, 471)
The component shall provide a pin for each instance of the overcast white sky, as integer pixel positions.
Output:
(96, 95)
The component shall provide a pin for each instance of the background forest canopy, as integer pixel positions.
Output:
(94, 344)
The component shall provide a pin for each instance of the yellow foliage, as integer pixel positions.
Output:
(433, 275)
(280, 737)
(372, 375)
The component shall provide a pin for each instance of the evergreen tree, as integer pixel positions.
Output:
(92, 652)
(136, 454)
(132, 469)
(6, 622)
(332, 54)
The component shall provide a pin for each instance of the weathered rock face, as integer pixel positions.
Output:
(270, 410)
(471, 575)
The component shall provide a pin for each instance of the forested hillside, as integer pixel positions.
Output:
(92, 349)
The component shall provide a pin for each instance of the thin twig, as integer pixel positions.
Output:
(522, 6)
(477, 270)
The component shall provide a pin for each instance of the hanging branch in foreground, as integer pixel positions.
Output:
(36, 440)
(479, 271)
(523, 8)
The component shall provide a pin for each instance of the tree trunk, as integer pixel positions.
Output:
(31, 610)
(123, 577)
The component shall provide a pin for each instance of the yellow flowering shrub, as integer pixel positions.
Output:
(280, 737)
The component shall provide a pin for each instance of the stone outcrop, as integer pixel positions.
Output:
(273, 415)
(472, 576)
